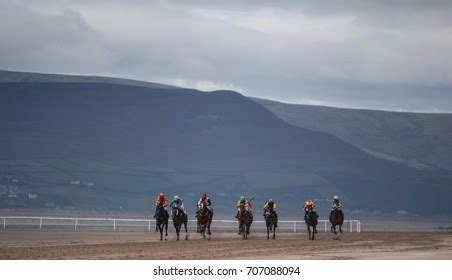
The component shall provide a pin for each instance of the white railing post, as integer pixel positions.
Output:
(294, 226)
(40, 223)
(350, 225)
(114, 224)
(149, 225)
(326, 228)
(4, 222)
(75, 225)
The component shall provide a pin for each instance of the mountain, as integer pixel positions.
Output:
(415, 139)
(100, 145)
(29, 77)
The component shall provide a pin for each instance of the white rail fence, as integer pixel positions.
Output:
(149, 224)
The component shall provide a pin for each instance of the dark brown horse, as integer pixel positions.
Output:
(245, 220)
(271, 220)
(336, 219)
(311, 221)
(204, 217)
(161, 219)
(179, 219)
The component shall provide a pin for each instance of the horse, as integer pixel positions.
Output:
(245, 220)
(311, 221)
(271, 221)
(179, 218)
(336, 219)
(204, 217)
(161, 219)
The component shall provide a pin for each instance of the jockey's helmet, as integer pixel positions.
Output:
(176, 197)
(242, 198)
(270, 200)
(336, 197)
(161, 195)
(203, 196)
(309, 202)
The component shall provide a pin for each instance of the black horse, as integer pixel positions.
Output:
(336, 219)
(271, 220)
(204, 217)
(161, 219)
(311, 221)
(245, 220)
(179, 219)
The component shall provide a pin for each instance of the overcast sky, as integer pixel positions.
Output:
(394, 55)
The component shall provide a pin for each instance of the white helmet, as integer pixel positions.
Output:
(176, 197)
(336, 197)
(270, 200)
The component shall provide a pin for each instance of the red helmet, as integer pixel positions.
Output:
(204, 196)
(161, 195)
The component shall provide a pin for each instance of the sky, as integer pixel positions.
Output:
(389, 55)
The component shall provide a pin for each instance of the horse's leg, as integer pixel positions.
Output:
(340, 228)
(166, 228)
(314, 231)
(208, 228)
(161, 231)
(204, 231)
(268, 231)
(274, 231)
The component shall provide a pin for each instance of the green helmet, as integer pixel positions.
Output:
(242, 198)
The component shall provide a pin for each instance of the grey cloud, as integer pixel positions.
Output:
(373, 54)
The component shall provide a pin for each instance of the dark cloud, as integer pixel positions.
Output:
(373, 54)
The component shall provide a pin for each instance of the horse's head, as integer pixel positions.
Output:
(176, 211)
(203, 208)
(159, 209)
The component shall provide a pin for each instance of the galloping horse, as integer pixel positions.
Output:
(179, 218)
(336, 219)
(271, 221)
(204, 217)
(245, 220)
(311, 221)
(161, 219)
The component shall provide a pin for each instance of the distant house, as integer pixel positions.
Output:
(15, 180)
(77, 182)
(89, 184)
(50, 204)
(32, 196)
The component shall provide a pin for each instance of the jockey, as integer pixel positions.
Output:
(270, 203)
(309, 204)
(177, 202)
(335, 203)
(161, 198)
(204, 199)
(247, 203)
